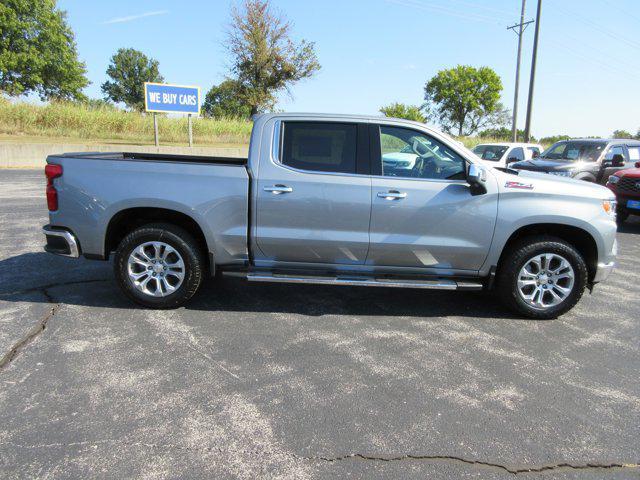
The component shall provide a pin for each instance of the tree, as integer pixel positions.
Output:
(38, 51)
(553, 139)
(224, 101)
(622, 134)
(465, 99)
(128, 70)
(502, 133)
(264, 59)
(401, 110)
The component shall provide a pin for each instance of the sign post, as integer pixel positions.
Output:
(167, 98)
(155, 128)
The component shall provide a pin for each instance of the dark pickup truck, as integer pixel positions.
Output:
(589, 159)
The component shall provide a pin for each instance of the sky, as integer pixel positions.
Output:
(375, 52)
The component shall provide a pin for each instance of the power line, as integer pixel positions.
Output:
(588, 22)
(626, 12)
(440, 9)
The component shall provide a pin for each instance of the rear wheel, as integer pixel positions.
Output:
(542, 277)
(159, 266)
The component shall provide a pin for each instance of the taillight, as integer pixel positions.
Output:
(52, 171)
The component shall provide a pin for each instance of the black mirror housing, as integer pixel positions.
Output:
(617, 160)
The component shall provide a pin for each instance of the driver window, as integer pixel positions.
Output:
(616, 150)
(411, 154)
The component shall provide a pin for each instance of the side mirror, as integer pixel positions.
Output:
(476, 177)
(512, 159)
(637, 164)
(617, 160)
(535, 154)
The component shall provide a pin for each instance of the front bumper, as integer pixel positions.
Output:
(61, 242)
(603, 271)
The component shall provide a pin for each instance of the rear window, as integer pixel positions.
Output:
(321, 147)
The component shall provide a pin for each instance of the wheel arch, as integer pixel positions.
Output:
(126, 220)
(581, 239)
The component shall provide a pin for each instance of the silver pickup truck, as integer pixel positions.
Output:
(336, 200)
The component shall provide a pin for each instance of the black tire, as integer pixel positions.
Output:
(516, 258)
(184, 244)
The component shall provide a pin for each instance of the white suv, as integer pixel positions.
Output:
(502, 154)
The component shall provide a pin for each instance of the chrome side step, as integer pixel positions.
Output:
(439, 284)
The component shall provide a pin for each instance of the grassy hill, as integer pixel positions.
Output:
(74, 122)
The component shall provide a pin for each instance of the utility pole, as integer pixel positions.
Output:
(527, 127)
(521, 28)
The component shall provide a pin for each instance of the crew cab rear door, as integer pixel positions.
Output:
(423, 214)
(314, 195)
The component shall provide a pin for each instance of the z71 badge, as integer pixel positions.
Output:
(523, 186)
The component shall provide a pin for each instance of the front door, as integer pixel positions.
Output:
(423, 214)
(314, 199)
(608, 167)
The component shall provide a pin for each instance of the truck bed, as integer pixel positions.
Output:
(95, 187)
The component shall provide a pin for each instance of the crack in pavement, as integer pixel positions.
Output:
(564, 466)
(32, 334)
(41, 325)
(480, 463)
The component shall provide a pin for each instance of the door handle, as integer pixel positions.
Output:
(392, 195)
(278, 189)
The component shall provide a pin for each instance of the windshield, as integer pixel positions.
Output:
(574, 151)
(490, 152)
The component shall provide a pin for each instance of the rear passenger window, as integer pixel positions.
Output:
(322, 147)
(634, 153)
(517, 154)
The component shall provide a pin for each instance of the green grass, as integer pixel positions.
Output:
(75, 122)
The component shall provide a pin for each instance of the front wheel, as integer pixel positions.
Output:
(542, 277)
(159, 266)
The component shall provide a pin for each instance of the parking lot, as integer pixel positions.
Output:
(291, 381)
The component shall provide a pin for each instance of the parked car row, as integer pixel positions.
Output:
(614, 162)
(503, 154)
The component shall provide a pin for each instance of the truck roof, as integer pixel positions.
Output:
(367, 118)
(626, 141)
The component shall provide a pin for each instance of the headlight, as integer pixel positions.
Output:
(609, 206)
(613, 179)
(561, 173)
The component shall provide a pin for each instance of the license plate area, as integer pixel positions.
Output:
(635, 204)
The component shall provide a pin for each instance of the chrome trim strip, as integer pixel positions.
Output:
(363, 282)
(74, 251)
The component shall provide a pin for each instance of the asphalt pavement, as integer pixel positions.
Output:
(294, 381)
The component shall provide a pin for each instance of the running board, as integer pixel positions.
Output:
(439, 284)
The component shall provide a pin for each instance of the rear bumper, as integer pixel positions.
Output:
(61, 242)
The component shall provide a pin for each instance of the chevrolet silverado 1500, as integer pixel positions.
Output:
(338, 200)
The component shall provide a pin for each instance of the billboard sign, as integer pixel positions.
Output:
(167, 98)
